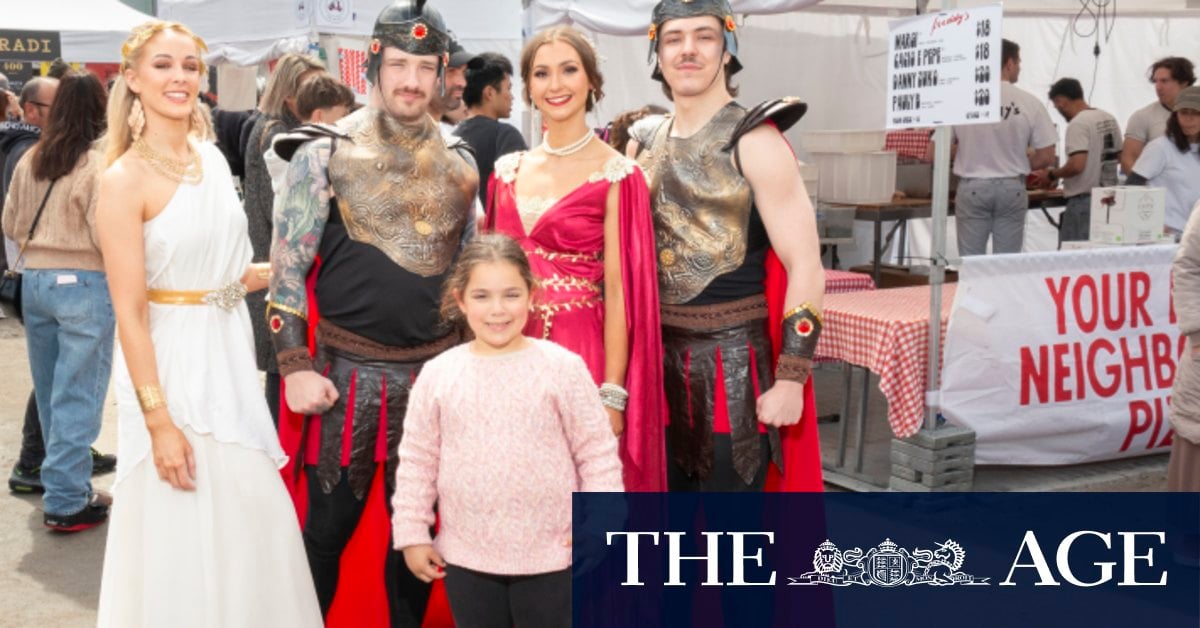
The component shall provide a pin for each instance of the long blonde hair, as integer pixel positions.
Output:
(285, 82)
(119, 136)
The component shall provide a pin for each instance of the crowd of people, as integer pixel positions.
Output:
(457, 331)
(445, 317)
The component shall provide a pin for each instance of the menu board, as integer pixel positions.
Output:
(944, 68)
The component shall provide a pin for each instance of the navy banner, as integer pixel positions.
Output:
(844, 559)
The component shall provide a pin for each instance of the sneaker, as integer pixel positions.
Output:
(92, 515)
(102, 463)
(25, 479)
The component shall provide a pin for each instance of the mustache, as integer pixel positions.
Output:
(404, 91)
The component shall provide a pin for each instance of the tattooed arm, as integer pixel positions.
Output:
(299, 223)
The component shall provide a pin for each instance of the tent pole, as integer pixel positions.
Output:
(937, 269)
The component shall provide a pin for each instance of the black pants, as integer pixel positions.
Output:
(33, 446)
(272, 393)
(747, 606)
(331, 522)
(482, 600)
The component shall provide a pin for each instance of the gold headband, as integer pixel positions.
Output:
(145, 32)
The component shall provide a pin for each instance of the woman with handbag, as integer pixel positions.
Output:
(50, 214)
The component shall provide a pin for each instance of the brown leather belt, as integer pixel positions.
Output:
(714, 316)
(336, 337)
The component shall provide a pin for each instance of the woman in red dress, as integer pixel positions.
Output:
(581, 211)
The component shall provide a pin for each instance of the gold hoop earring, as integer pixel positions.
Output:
(137, 119)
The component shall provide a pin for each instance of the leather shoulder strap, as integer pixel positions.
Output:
(782, 112)
(287, 144)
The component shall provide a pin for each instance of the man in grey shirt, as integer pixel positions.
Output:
(992, 161)
(1169, 76)
(1093, 148)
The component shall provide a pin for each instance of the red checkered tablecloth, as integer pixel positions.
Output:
(840, 281)
(887, 331)
(908, 142)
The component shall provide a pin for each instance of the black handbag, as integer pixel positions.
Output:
(10, 281)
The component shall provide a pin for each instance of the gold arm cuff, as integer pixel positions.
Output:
(150, 398)
(284, 308)
(800, 308)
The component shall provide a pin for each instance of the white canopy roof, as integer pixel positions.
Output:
(632, 17)
(91, 30)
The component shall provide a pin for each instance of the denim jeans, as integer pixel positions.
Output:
(69, 333)
(990, 207)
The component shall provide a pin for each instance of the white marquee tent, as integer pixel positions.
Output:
(90, 30)
(828, 52)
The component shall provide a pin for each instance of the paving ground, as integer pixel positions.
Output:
(52, 580)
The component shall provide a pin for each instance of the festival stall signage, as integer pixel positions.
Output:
(29, 45)
(944, 68)
(18, 73)
(1063, 357)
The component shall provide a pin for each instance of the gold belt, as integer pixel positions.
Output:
(226, 298)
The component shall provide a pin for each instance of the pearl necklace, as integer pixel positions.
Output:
(569, 149)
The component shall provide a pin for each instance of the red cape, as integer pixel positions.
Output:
(801, 443)
(361, 598)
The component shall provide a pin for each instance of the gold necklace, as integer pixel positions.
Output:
(190, 171)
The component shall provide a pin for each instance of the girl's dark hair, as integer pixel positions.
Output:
(1176, 135)
(618, 135)
(484, 249)
(321, 92)
(76, 120)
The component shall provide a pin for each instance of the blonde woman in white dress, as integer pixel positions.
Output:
(202, 531)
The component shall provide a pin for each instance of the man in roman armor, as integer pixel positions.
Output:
(739, 266)
(373, 217)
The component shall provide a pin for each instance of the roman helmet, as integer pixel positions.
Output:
(411, 26)
(675, 9)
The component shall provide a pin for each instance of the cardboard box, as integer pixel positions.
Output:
(1127, 215)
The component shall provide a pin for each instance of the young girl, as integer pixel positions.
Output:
(499, 431)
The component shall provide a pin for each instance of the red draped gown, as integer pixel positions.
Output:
(565, 248)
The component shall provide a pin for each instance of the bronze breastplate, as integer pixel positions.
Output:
(402, 192)
(701, 206)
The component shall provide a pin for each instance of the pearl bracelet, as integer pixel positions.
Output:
(614, 396)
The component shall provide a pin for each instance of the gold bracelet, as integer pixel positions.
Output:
(150, 398)
(286, 309)
(263, 273)
(800, 308)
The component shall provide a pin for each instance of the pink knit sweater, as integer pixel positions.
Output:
(501, 442)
